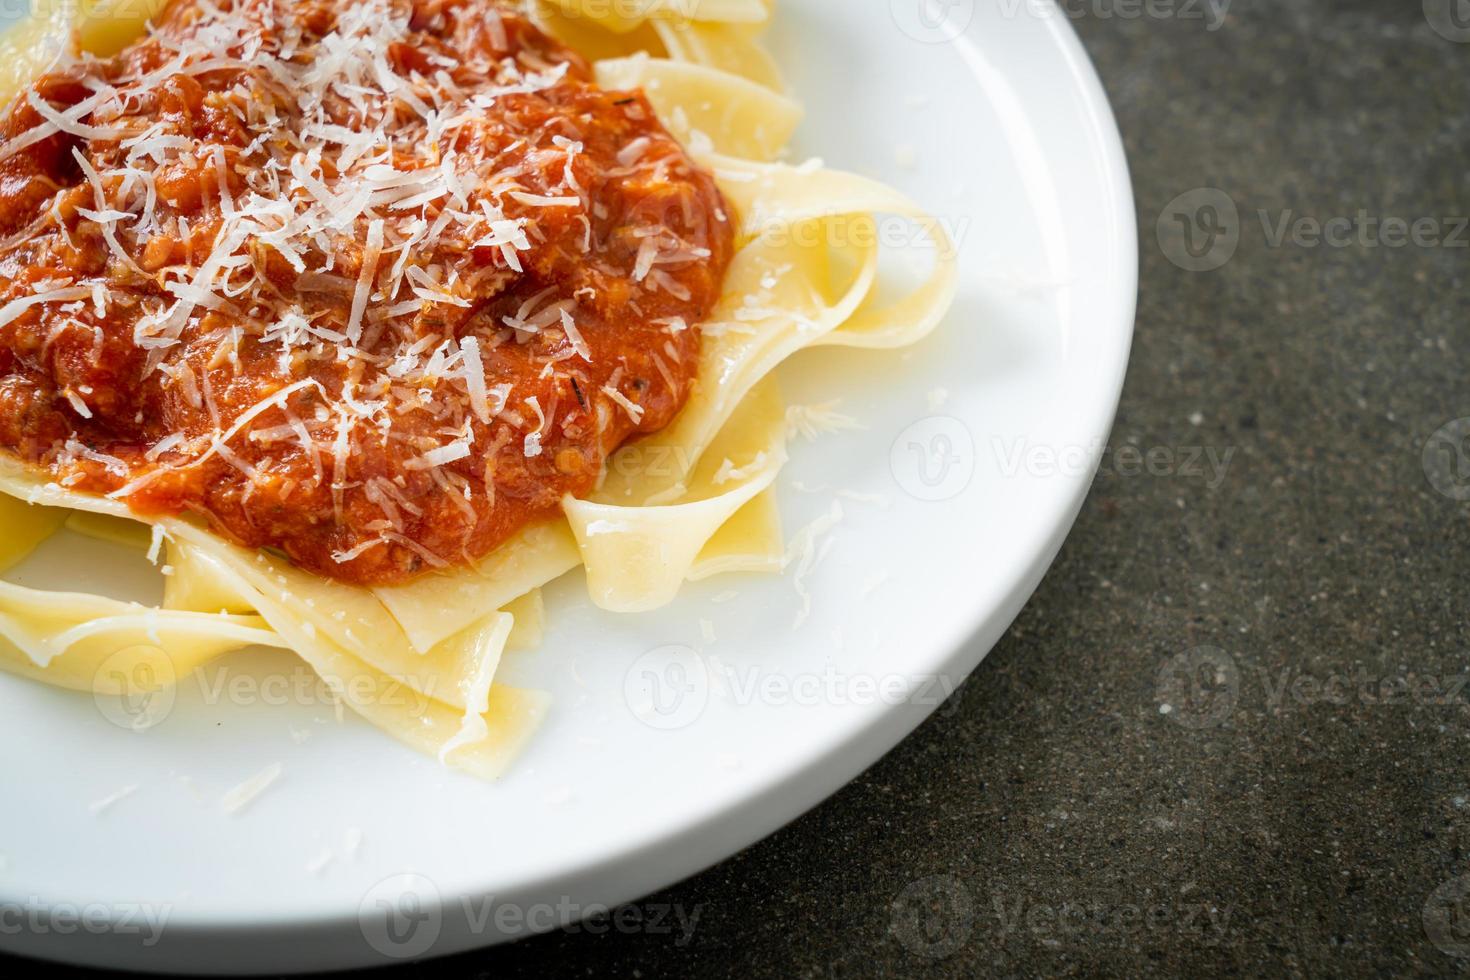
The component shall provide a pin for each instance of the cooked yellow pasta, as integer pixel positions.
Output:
(804, 275)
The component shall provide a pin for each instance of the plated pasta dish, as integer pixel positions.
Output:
(365, 320)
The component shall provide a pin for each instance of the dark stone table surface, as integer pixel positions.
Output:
(1229, 734)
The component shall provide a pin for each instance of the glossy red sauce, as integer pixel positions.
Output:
(141, 388)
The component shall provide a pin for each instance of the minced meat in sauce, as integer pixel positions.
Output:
(372, 284)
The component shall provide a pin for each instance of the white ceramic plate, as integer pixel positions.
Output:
(995, 121)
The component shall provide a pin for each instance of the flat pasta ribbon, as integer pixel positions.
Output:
(694, 500)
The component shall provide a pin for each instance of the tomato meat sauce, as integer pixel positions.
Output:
(371, 284)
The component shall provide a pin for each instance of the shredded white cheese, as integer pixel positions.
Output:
(241, 796)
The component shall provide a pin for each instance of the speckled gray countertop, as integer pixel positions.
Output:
(1228, 735)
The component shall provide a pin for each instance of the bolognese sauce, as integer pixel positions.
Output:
(373, 284)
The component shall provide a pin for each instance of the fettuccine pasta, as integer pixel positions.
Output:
(689, 501)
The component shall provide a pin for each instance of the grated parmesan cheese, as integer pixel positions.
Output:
(354, 240)
(239, 797)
